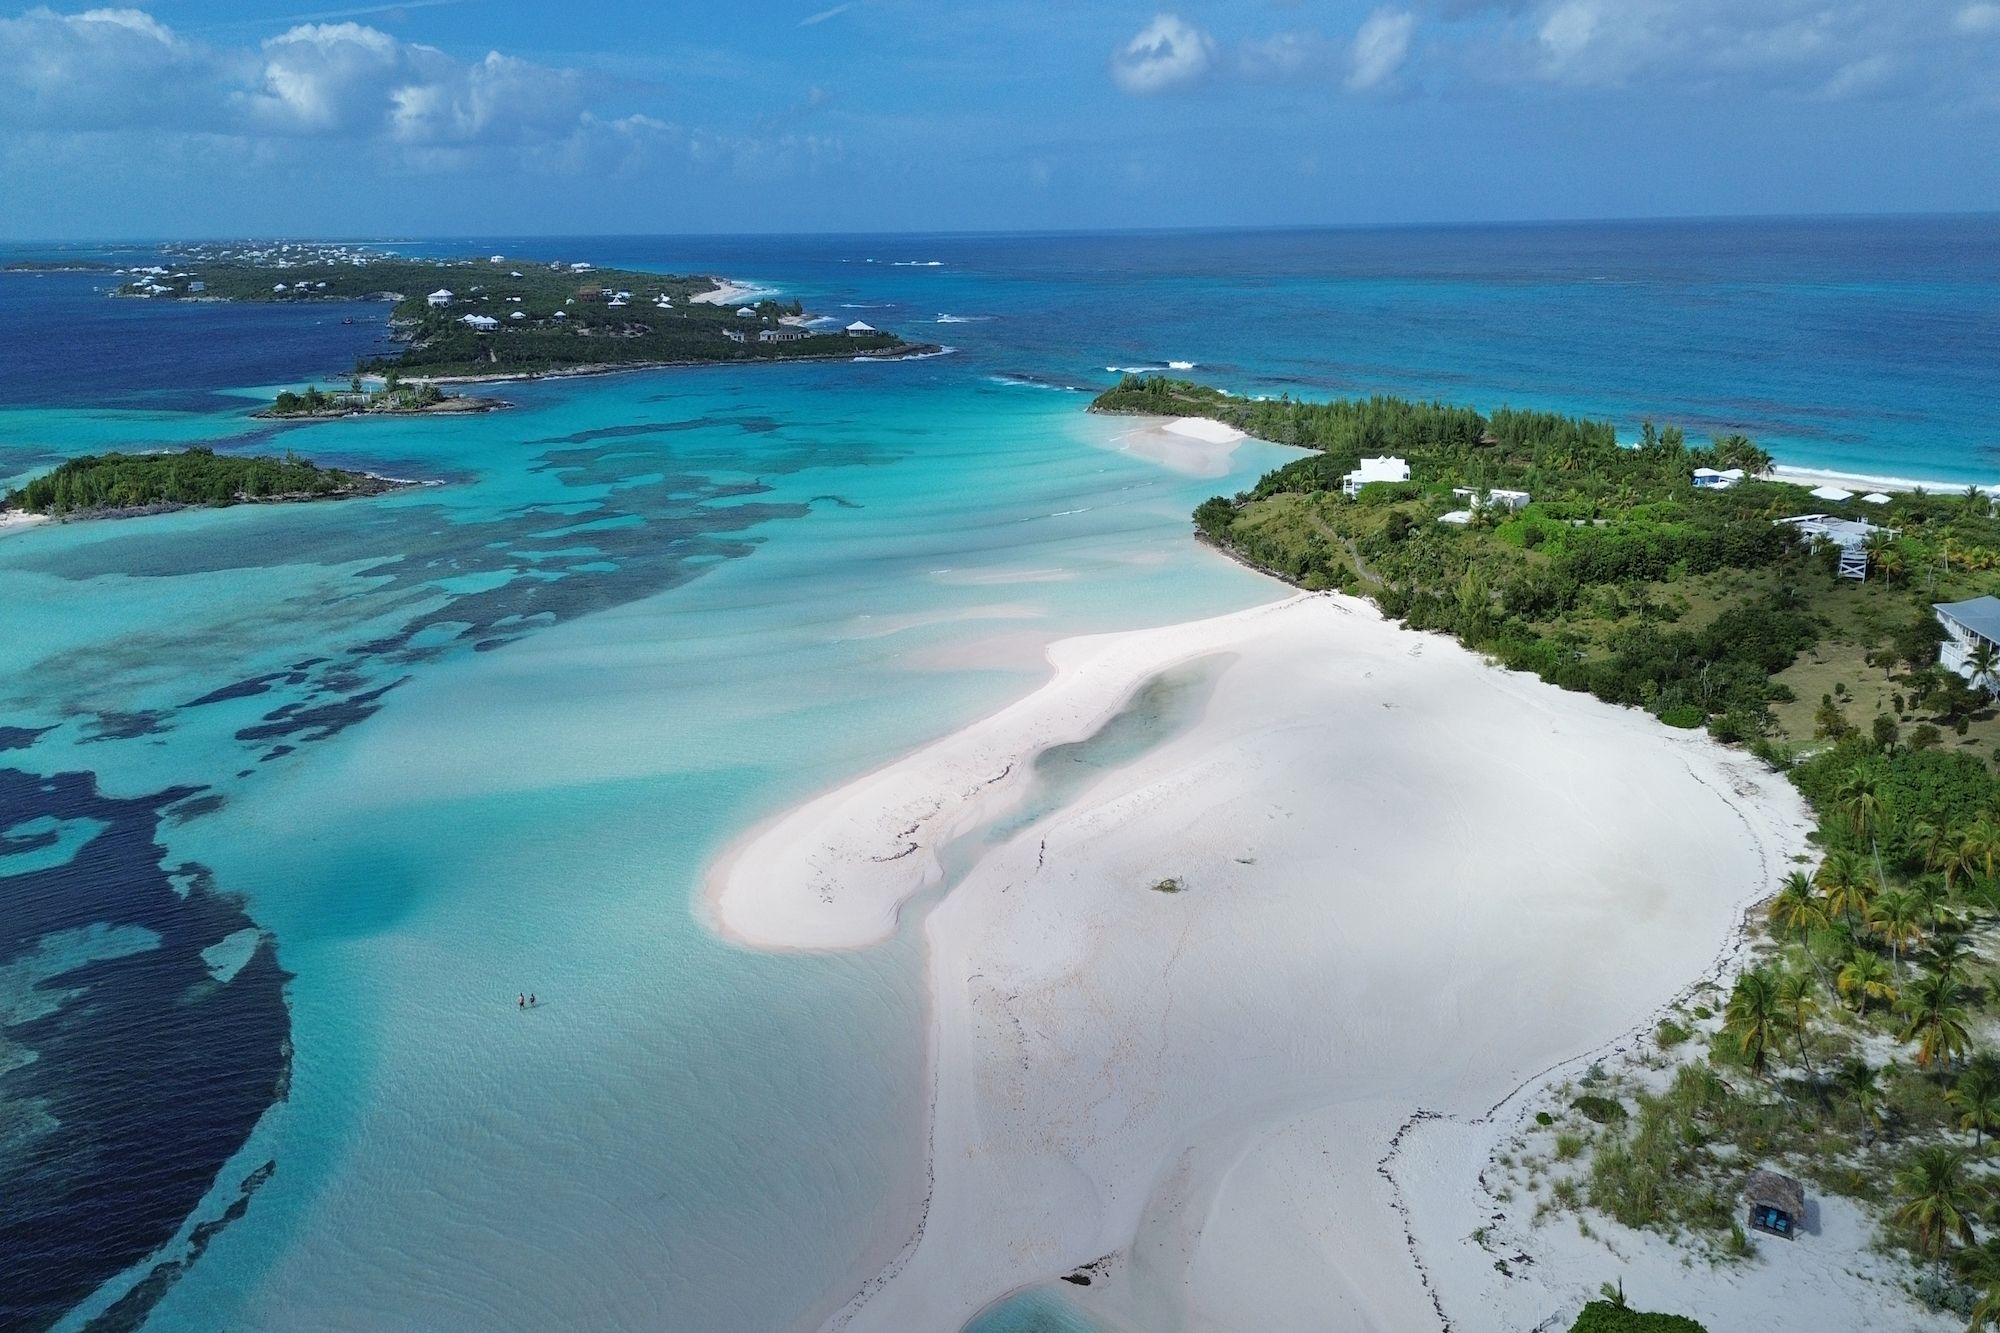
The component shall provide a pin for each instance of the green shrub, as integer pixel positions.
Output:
(1670, 1034)
(1599, 1110)
(1604, 1317)
(1684, 716)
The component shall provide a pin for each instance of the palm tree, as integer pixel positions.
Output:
(1845, 881)
(1797, 999)
(1970, 851)
(1899, 917)
(1796, 909)
(1753, 1016)
(1937, 1201)
(1935, 1018)
(1984, 661)
(1857, 1082)
(1865, 977)
(1858, 800)
(1976, 1097)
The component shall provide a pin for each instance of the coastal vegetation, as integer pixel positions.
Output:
(464, 318)
(1857, 1049)
(99, 484)
(393, 398)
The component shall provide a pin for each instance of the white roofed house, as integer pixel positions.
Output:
(860, 330)
(439, 299)
(746, 312)
(479, 323)
(1971, 640)
(1709, 479)
(1373, 470)
(736, 335)
(1850, 535)
(780, 335)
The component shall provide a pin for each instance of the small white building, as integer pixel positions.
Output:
(440, 298)
(780, 335)
(1372, 470)
(1708, 479)
(746, 312)
(479, 323)
(616, 301)
(518, 314)
(1849, 534)
(562, 314)
(278, 287)
(860, 330)
(1967, 625)
(736, 335)
(1832, 494)
(579, 268)
(1875, 498)
(1504, 499)
(497, 259)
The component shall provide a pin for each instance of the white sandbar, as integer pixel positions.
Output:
(1410, 881)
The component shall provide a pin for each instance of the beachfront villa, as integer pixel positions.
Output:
(859, 330)
(1849, 534)
(1372, 470)
(1709, 479)
(1967, 625)
(439, 299)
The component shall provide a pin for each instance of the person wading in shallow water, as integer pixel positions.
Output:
(521, 1000)
(531, 999)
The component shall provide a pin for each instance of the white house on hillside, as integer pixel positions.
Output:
(859, 330)
(1373, 470)
(1708, 479)
(479, 323)
(440, 298)
(1967, 625)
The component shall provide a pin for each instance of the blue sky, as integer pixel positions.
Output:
(237, 117)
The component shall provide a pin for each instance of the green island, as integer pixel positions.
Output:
(1856, 1051)
(500, 318)
(119, 485)
(393, 398)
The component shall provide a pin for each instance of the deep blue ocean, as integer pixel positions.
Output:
(294, 800)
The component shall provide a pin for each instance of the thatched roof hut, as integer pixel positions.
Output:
(1777, 1203)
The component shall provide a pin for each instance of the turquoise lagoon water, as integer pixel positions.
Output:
(294, 802)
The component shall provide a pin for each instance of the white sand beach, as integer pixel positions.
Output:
(1861, 482)
(1191, 446)
(728, 292)
(15, 518)
(1410, 885)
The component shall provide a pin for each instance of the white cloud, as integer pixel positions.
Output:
(122, 69)
(1857, 77)
(1380, 48)
(1167, 54)
(825, 14)
(101, 69)
(1979, 17)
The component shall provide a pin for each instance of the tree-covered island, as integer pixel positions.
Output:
(118, 485)
(497, 318)
(391, 397)
(1859, 1051)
